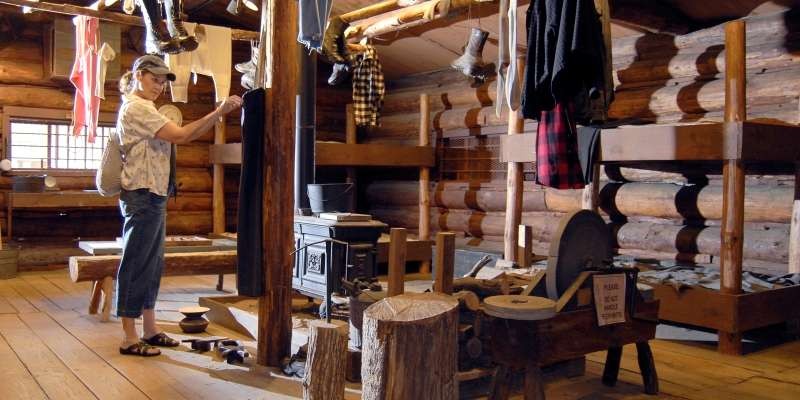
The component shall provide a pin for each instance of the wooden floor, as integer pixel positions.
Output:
(50, 348)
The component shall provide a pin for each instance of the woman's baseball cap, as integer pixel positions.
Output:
(153, 64)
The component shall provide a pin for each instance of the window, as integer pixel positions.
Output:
(50, 144)
(46, 142)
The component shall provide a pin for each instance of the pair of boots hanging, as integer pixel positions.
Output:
(170, 37)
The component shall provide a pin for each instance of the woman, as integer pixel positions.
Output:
(145, 141)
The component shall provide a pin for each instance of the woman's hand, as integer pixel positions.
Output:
(229, 104)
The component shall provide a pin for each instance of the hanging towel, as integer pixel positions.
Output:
(86, 108)
(105, 56)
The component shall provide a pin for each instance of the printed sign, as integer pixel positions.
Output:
(609, 298)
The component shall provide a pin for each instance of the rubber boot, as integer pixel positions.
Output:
(158, 39)
(174, 10)
(471, 62)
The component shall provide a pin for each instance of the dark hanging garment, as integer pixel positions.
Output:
(557, 162)
(566, 57)
(249, 273)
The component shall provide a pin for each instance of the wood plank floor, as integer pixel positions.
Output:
(50, 348)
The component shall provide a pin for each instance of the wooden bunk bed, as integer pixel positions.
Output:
(736, 144)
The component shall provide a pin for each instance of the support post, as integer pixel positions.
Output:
(397, 261)
(513, 185)
(445, 262)
(733, 178)
(424, 179)
(218, 190)
(274, 308)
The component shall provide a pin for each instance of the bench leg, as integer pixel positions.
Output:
(220, 282)
(501, 382)
(534, 385)
(107, 289)
(94, 300)
(730, 343)
(611, 369)
(647, 366)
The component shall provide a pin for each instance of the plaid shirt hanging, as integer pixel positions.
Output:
(368, 87)
(557, 163)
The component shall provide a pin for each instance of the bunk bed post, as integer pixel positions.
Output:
(590, 199)
(794, 227)
(733, 178)
(397, 261)
(424, 179)
(274, 307)
(514, 184)
(350, 137)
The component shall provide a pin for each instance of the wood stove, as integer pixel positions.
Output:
(332, 250)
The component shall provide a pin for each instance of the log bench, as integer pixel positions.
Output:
(102, 270)
(739, 147)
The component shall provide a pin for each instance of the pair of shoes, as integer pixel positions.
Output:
(248, 69)
(140, 349)
(232, 351)
(172, 38)
(295, 365)
(162, 340)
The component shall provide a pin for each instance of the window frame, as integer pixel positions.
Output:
(45, 115)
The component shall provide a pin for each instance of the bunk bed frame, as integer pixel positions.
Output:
(736, 144)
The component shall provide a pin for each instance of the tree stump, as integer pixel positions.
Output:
(326, 362)
(410, 348)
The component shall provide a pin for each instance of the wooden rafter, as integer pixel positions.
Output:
(109, 16)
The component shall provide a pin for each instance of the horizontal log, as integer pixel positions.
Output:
(194, 180)
(93, 268)
(759, 244)
(763, 203)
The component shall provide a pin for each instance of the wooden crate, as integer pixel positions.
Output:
(8, 263)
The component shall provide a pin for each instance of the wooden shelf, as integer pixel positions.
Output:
(61, 200)
(332, 154)
(745, 141)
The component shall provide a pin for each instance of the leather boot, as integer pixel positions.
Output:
(158, 39)
(174, 10)
(471, 62)
(333, 41)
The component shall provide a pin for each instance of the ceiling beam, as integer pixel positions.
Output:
(109, 16)
(651, 16)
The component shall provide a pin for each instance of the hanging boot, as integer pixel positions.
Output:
(158, 39)
(471, 62)
(334, 50)
(175, 16)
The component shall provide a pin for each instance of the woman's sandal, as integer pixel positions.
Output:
(161, 339)
(140, 349)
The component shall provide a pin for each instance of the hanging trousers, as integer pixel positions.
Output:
(249, 274)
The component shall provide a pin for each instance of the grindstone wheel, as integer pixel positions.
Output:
(582, 241)
(518, 307)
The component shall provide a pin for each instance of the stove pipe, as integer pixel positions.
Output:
(305, 130)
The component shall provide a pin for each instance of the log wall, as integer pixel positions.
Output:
(658, 79)
(24, 83)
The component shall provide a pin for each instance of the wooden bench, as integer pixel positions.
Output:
(101, 270)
